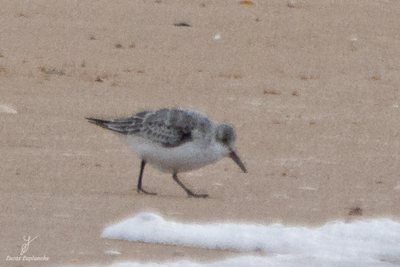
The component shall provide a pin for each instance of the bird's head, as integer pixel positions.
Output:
(225, 135)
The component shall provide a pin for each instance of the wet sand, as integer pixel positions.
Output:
(312, 88)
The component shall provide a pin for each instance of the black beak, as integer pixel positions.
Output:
(237, 160)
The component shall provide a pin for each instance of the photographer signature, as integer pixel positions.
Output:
(25, 247)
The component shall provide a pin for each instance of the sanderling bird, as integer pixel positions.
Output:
(174, 140)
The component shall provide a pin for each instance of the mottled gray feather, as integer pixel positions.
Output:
(168, 127)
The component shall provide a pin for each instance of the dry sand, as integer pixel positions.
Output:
(312, 88)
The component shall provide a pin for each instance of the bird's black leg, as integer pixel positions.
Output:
(190, 193)
(139, 185)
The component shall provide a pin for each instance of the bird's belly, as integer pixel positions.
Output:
(187, 157)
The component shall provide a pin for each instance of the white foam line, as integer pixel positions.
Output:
(355, 240)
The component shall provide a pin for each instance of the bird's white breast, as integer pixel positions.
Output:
(187, 157)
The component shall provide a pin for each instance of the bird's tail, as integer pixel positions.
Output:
(100, 122)
(130, 125)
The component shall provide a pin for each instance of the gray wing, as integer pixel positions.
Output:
(167, 127)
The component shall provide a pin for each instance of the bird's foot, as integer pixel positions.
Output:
(140, 191)
(191, 194)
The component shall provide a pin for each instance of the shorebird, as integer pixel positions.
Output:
(174, 140)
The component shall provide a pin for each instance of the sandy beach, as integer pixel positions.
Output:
(312, 88)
